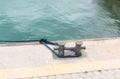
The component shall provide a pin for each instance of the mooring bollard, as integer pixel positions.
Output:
(77, 49)
(60, 48)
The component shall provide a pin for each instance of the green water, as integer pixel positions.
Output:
(56, 20)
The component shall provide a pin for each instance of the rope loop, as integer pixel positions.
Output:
(44, 42)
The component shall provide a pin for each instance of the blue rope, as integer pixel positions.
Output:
(45, 42)
(40, 40)
(68, 56)
(19, 41)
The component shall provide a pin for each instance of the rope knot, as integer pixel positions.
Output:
(43, 41)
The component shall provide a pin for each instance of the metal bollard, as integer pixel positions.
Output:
(60, 49)
(77, 49)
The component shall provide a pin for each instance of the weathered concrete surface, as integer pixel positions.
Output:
(36, 55)
(104, 74)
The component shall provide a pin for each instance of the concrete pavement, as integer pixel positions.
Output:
(103, 52)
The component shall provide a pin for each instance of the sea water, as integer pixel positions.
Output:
(56, 20)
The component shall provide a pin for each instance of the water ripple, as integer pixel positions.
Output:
(55, 20)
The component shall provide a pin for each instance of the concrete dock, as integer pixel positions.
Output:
(100, 60)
